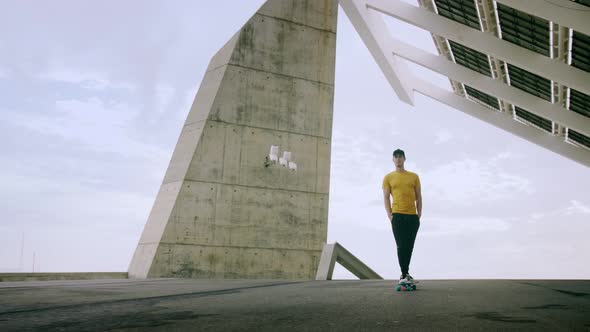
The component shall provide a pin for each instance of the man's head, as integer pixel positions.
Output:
(399, 157)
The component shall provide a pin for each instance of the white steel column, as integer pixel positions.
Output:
(374, 33)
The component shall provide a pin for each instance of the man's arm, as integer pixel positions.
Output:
(418, 192)
(387, 201)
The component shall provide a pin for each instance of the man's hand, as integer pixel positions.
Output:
(387, 202)
(418, 192)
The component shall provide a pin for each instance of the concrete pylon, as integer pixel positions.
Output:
(220, 213)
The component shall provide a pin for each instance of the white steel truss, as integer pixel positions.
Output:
(562, 12)
(367, 18)
(484, 42)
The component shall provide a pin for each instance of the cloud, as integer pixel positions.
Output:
(463, 182)
(444, 226)
(69, 202)
(443, 136)
(86, 79)
(98, 124)
(358, 160)
(504, 156)
(164, 95)
(536, 216)
(577, 207)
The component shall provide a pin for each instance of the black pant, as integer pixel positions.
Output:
(405, 227)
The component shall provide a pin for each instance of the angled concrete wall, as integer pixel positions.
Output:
(219, 212)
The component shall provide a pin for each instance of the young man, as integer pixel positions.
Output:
(405, 212)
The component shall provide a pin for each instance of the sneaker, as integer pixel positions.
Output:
(403, 279)
(410, 279)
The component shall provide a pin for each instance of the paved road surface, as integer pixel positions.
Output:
(271, 305)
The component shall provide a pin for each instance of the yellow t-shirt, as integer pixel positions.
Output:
(402, 186)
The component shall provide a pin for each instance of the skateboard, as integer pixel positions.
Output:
(405, 286)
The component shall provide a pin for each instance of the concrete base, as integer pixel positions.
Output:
(264, 305)
(220, 212)
(8, 277)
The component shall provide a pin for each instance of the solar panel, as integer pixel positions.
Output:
(538, 121)
(471, 58)
(581, 51)
(582, 2)
(462, 11)
(525, 30)
(578, 138)
(529, 82)
(482, 97)
(580, 102)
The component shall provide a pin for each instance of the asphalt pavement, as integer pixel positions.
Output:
(283, 305)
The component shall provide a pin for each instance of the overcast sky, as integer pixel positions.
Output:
(93, 96)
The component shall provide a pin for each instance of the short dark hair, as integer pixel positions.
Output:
(399, 152)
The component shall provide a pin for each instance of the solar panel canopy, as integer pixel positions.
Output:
(522, 66)
(532, 33)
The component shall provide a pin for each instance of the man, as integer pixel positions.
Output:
(405, 212)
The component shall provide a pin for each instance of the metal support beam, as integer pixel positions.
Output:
(489, 22)
(485, 43)
(490, 86)
(559, 51)
(374, 33)
(442, 47)
(487, 17)
(562, 12)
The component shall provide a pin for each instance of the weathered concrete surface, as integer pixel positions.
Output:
(219, 212)
(9, 277)
(265, 305)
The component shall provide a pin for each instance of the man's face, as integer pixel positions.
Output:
(399, 160)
